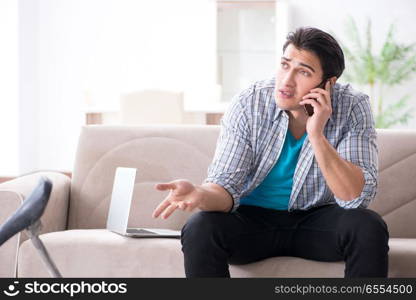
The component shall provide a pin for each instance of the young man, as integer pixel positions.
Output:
(283, 182)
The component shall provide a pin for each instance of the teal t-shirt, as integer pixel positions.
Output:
(274, 191)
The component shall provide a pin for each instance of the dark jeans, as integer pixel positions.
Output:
(211, 240)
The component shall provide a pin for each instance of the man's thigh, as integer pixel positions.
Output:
(248, 234)
(316, 236)
(263, 237)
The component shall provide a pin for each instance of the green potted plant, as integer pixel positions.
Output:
(393, 65)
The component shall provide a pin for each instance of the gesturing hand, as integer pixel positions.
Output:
(183, 195)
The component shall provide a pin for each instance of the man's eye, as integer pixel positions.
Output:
(306, 73)
(283, 64)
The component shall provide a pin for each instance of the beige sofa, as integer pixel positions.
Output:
(77, 212)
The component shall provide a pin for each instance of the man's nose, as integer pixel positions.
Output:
(288, 79)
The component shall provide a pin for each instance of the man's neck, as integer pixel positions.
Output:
(297, 123)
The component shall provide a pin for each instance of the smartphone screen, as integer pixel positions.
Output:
(308, 107)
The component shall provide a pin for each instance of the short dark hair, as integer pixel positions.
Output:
(323, 45)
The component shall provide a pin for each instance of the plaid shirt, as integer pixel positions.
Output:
(252, 134)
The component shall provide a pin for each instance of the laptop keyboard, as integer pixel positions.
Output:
(140, 231)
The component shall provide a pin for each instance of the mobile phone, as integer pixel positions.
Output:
(309, 108)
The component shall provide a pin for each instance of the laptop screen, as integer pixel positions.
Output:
(121, 196)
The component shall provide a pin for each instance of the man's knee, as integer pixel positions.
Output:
(202, 225)
(363, 221)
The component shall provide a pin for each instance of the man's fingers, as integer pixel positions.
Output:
(161, 207)
(318, 96)
(313, 102)
(165, 186)
(326, 89)
(168, 207)
(186, 206)
(173, 201)
(312, 95)
(165, 203)
(168, 211)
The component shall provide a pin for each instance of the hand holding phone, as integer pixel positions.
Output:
(309, 108)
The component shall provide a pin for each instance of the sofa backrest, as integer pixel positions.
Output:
(396, 194)
(162, 153)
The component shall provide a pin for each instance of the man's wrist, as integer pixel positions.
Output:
(201, 196)
(317, 138)
(212, 197)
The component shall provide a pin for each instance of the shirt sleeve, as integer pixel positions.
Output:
(233, 155)
(359, 146)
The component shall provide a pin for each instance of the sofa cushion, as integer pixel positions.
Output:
(100, 253)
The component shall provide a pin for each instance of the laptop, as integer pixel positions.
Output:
(119, 211)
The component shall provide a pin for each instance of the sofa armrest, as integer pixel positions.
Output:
(10, 201)
(56, 213)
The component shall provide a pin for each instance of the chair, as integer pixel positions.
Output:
(152, 107)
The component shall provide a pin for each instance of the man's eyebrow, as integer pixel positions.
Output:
(301, 64)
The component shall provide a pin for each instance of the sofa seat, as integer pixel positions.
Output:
(101, 253)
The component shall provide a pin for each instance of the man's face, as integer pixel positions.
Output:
(299, 72)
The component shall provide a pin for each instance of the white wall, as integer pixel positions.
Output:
(28, 85)
(9, 88)
(68, 48)
(102, 48)
(246, 45)
(330, 15)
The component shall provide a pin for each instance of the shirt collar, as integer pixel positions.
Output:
(278, 111)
